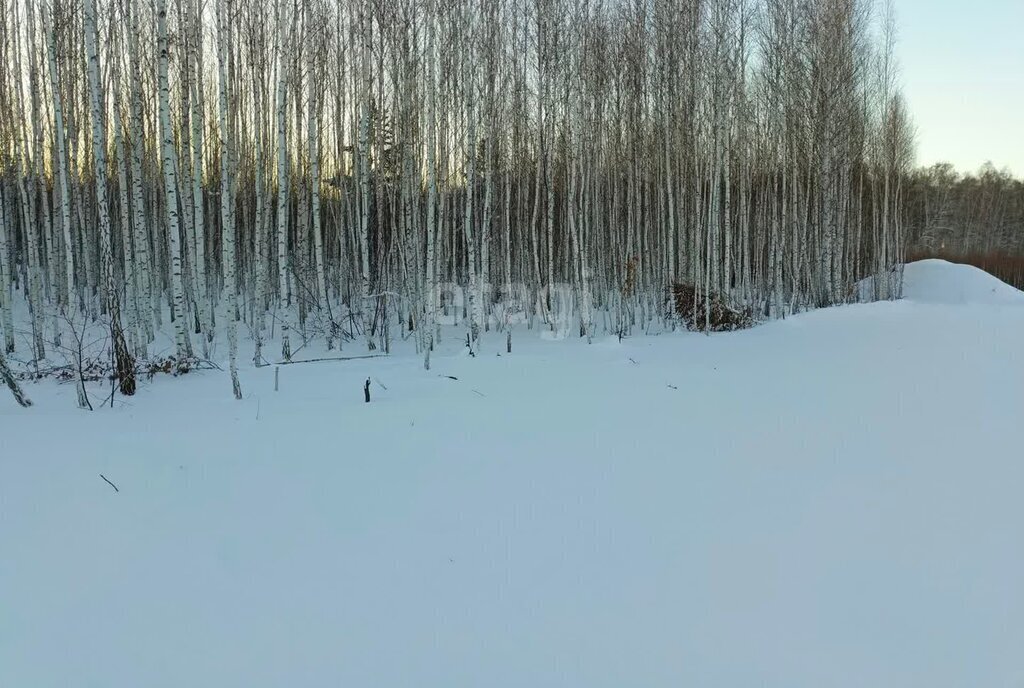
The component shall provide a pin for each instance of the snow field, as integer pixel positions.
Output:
(829, 500)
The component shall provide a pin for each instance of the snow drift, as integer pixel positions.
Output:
(942, 282)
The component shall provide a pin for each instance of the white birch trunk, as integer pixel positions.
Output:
(123, 361)
(6, 316)
(474, 299)
(168, 164)
(143, 275)
(48, 268)
(313, 131)
(12, 384)
(364, 186)
(227, 211)
(430, 299)
(131, 302)
(284, 292)
(26, 189)
(198, 210)
(62, 157)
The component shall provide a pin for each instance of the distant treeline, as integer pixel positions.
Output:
(976, 219)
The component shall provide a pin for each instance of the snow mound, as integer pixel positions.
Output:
(939, 281)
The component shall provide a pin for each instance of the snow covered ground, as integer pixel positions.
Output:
(830, 500)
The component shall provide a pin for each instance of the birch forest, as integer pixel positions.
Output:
(362, 171)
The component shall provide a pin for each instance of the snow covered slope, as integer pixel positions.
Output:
(939, 281)
(831, 500)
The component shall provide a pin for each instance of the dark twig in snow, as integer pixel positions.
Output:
(110, 483)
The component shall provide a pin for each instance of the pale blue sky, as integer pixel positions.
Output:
(963, 76)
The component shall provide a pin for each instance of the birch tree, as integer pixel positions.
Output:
(12, 383)
(124, 363)
(227, 205)
(60, 146)
(168, 157)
